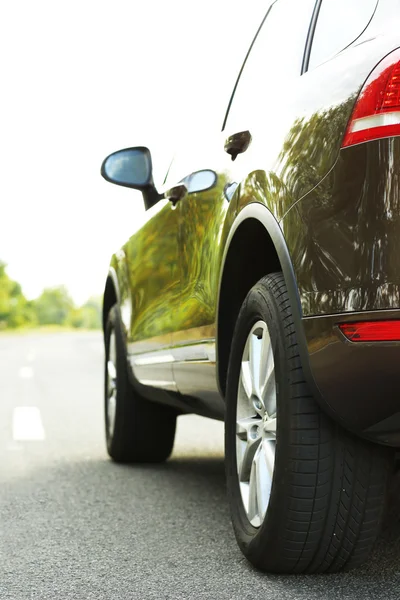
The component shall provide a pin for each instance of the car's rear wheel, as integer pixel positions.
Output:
(137, 430)
(305, 495)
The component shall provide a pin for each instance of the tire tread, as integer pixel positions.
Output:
(337, 482)
(130, 441)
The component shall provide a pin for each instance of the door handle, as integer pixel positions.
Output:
(237, 143)
(176, 193)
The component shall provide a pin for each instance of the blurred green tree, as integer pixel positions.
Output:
(15, 310)
(54, 306)
(87, 316)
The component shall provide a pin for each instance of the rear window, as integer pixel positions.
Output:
(275, 57)
(340, 22)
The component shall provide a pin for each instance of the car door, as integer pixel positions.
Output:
(205, 218)
(151, 257)
(199, 214)
(202, 224)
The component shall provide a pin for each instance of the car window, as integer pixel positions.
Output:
(339, 23)
(276, 56)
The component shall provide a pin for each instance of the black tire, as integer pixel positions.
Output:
(328, 489)
(144, 431)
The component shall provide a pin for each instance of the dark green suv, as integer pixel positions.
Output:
(264, 288)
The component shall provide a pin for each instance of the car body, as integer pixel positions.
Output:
(295, 191)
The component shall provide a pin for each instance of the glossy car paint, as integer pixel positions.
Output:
(149, 266)
(331, 216)
(344, 236)
(359, 382)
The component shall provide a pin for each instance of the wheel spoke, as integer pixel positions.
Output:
(266, 359)
(111, 378)
(269, 394)
(242, 429)
(111, 412)
(240, 452)
(270, 426)
(246, 378)
(253, 504)
(248, 431)
(268, 448)
(264, 479)
(255, 351)
(113, 349)
(247, 460)
(246, 428)
(111, 370)
(244, 490)
(269, 358)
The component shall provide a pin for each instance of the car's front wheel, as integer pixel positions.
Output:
(305, 495)
(137, 430)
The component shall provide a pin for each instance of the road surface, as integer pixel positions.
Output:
(74, 525)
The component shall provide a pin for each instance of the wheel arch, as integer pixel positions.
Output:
(111, 294)
(242, 266)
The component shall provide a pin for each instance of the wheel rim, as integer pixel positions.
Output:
(111, 400)
(256, 423)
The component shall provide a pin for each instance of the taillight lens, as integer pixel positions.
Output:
(372, 331)
(377, 110)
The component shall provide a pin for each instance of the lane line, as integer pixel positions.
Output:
(25, 372)
(27, 424)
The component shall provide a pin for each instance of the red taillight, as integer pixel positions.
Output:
(372, 331)
(377, 110)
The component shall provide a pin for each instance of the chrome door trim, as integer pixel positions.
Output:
(154, 368)
(159, 383)
(201, 351)
(195, 374)
(141, 361)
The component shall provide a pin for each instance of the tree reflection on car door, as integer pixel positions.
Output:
(152, 263)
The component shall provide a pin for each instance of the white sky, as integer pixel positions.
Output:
(80, 79)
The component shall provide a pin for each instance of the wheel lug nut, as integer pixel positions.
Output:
(254, 432)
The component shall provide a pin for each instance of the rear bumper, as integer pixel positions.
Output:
(358, 383)
(344, 241)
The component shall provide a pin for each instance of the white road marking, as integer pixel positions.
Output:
(27, 424)
(26, 372)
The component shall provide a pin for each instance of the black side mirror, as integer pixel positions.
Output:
(132, 167)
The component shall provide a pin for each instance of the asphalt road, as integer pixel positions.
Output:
(74, 525)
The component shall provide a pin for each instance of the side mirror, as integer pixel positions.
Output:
(132, 167)
(201, 181)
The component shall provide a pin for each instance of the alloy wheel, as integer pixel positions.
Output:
(111, 387)
(256, 423)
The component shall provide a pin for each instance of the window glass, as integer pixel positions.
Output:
(340, 22)
(276, 56)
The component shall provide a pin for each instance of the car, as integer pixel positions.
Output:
(264, 288)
